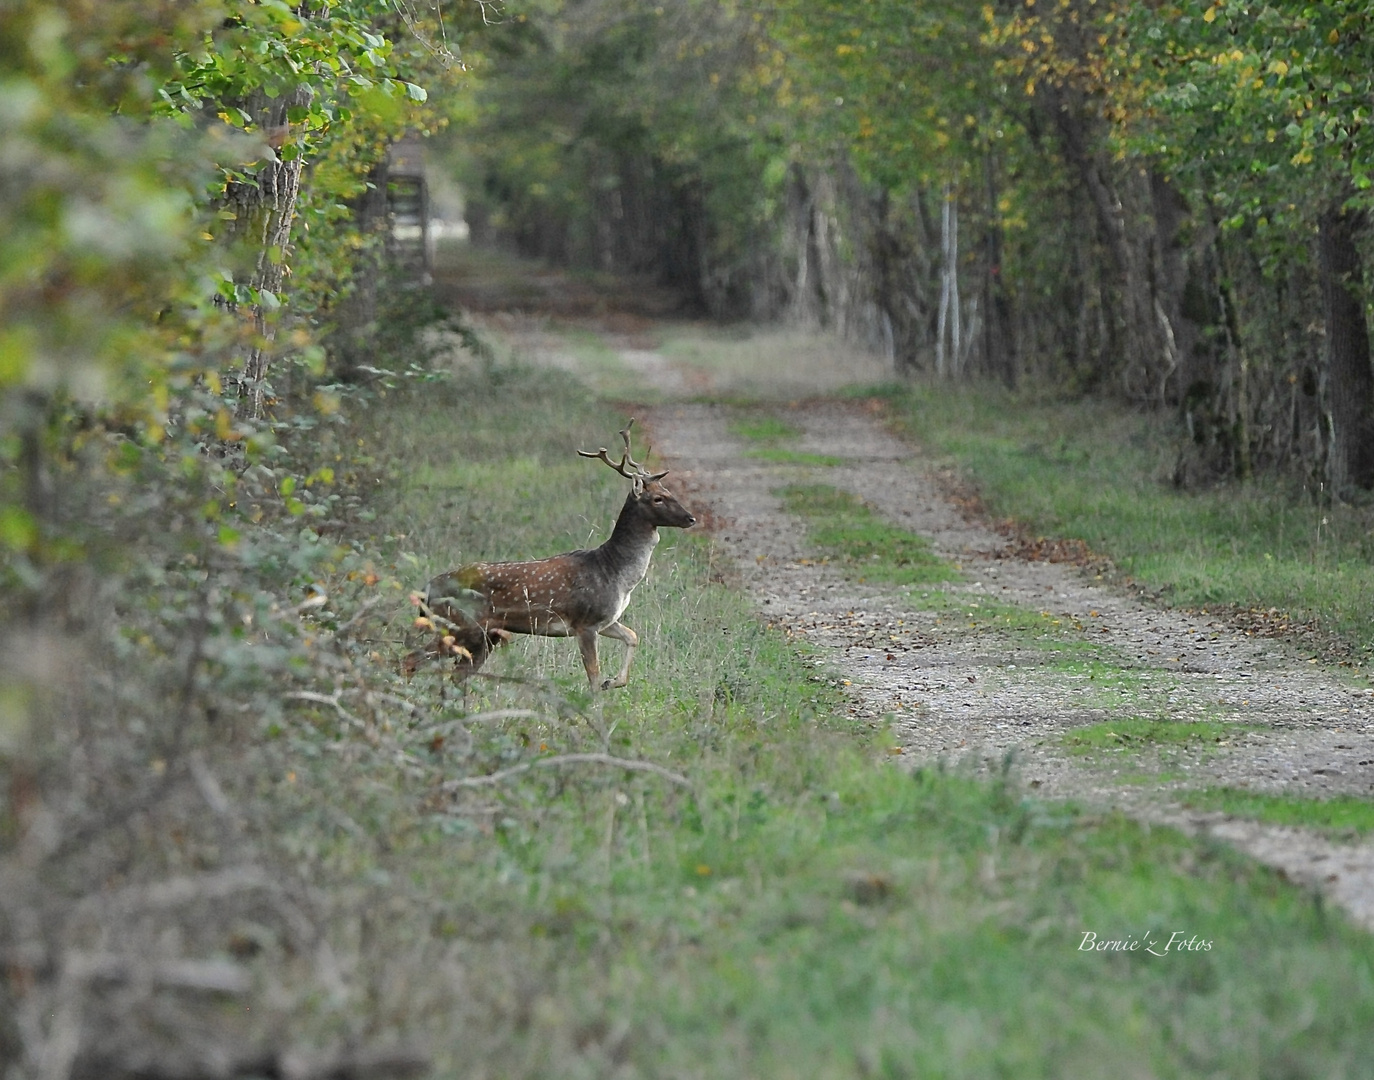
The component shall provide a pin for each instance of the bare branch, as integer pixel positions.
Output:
(363, 609)
(443, 727)
(399, 1062)
(207, 976)
(611, 760)
(173, 892)
(326, 699)
(208, 785)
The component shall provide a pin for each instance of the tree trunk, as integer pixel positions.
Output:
(949, 288)
(999, 342)
(1239, 362)
(1150, 346)
(265, 211)
(1170, 211)
(1350, 379)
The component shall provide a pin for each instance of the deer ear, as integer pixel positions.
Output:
(638, 488)
(658, 475)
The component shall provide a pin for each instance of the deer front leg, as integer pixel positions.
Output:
(621, 632)
(586, 641)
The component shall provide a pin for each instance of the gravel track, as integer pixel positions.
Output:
(952, 688)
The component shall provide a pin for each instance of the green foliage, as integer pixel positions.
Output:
(118, 306)
(1264, 107)
(615, 136)
(97, 211)
(161, 555)
(906, 92)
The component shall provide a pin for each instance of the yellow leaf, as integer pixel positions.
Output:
(18, 530)
(1210, 15)
(1333, 37)
(224, 427)
(17, 347)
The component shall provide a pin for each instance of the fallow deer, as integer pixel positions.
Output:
(580, 594)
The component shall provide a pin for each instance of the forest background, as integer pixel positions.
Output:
(1162, 204)
(1158, 202)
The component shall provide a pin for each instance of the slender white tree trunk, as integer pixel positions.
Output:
(943, 317)
(949, 291)
(952, 269)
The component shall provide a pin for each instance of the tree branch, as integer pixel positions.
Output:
(611, 760)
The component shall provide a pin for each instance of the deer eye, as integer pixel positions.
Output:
(658, 498)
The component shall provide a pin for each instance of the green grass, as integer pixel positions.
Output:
(868, 548)
(1099, 473)
(763, 429)
(771, 431)
(804, 908)
(783, 456)
(1340, 813)
(1136, 733)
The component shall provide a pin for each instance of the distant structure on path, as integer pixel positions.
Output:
(408, 248)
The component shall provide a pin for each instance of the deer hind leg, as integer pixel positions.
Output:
(469, 649)
(621, 632)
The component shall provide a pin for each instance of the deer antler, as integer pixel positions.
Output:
(638, 476)
(624, 434)
(604, 455)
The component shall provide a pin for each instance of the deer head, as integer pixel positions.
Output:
(653, 501)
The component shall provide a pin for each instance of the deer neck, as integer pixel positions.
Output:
(631, 543)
